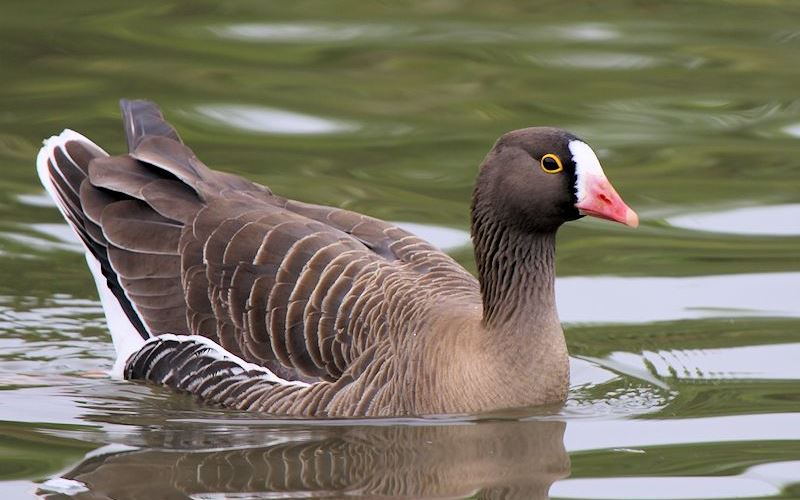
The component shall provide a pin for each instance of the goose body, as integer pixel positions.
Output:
(216, 286)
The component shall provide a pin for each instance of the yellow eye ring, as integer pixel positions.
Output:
(551, 163)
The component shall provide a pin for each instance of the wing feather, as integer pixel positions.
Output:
(306, 291)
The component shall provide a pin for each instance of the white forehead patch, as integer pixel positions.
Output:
(586, 166)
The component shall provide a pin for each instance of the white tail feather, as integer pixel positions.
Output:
(48, 152)
(125, 336)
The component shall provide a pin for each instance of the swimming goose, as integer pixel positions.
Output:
(215, 286)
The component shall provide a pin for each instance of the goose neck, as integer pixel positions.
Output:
(516, 269)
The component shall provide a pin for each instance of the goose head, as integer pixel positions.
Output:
(535, 179)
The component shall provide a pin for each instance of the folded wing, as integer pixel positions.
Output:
(189, 250)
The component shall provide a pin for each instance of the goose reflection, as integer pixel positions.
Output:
(494, 459)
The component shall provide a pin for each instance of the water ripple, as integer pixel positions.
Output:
(768, 479)
(64, 240)
(773, 220)
(657, 488)
(589, 32)
(727, 363)
(310, 32)
(445, 238)
(36, 200)
(434, 32)
(583, 435)
(665, 117)
(585, 299)
(793, 130)
(597, 60)
(264, 120)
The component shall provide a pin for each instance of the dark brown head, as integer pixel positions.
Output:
(535, 179)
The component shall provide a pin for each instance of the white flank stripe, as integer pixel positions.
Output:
(219, 353)
(126, 338)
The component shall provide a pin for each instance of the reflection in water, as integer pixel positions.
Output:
(306, 32)
(589, 32)
(771, 220)
(670, 118)
(763, 480)
(793, 130)
(586, 299)
(643, 433)
(445, 238)
(265, 120)
(499, 459)
(595, 60)
(745, 362)
(36, 200)
(667, 488)
(427, 33)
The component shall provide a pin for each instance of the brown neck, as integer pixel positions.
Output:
(516, 270)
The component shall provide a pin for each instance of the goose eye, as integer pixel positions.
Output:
(551, 164)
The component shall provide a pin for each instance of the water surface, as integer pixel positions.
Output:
(685, 334)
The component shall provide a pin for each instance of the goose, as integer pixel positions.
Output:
(215, 286)
(331, 461)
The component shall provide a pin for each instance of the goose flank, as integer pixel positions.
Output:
(215, 286)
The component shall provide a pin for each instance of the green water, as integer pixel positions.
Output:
(685, 333)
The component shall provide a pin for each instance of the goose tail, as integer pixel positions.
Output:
(63, 168)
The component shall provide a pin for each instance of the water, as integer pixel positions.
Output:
(684, 333)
